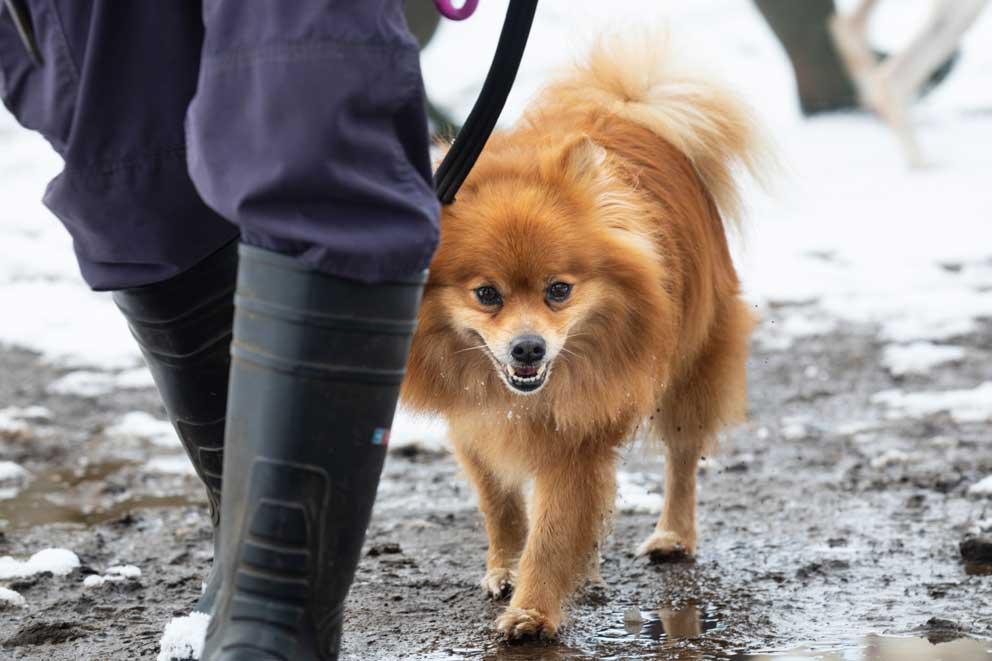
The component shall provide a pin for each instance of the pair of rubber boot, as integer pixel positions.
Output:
(281, 383)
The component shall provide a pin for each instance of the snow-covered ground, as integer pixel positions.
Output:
(57, 561)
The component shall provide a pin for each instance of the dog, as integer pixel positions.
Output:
(583, 289)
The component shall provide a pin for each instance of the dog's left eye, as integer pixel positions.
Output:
(559, 291)
(488, 295)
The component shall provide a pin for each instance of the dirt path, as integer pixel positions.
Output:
(823, 519)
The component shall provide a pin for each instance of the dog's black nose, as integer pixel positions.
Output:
(528, 349)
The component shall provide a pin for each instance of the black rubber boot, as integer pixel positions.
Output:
(316, 371)
(183, 326)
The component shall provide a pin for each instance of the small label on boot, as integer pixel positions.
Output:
(380, 436)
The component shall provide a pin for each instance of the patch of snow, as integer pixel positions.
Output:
(28, 413)
(745, 458)
(83, 384)
(13, 478)
(982, 487)
(10, 598)
(918, 357)
(11, 472)
(794, 429)
(57, 561)
(855, 427)
(892, 457)
(88, 383)
(795, 325)
(944, 442)
(142, 426)
(637, 493)
(74, 328)
(11, 424)
(183, 637)
(865, 437)
(94, 580)
(411, 429)
(981, 527)
(974, 405)
(117, 574)
(139, 377)
(171, 465)
(127, 571)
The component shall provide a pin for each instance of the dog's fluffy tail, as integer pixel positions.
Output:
(641, 80)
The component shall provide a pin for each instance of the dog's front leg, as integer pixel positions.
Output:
(571, 503)
(506, 523)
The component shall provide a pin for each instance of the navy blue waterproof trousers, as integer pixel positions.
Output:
(299, 124)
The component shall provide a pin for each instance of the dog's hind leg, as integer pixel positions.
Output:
(506, 524)
(675, 534)
(710, 393)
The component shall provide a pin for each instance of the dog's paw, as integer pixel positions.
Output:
(523, 623)
(666, 546)
(498, 583)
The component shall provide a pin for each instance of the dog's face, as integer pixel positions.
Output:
(523, 329)
(516, 278)
(521, 310)
(537, 289)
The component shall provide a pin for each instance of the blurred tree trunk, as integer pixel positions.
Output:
(801, 27)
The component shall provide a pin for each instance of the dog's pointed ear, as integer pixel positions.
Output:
(582, 160)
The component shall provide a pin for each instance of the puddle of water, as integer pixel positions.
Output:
(892, 648)
(695, 633)
(78, 495)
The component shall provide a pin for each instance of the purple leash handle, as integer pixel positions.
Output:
(449, 11)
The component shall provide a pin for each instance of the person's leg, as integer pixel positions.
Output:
(308, 130)
(316, 371)
(891, 87)
(827, 65)
(850, 35)
(183, 326)
(114, 109)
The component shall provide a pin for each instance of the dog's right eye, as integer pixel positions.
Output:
(488, 295)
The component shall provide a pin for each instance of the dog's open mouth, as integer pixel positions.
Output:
(526, 378)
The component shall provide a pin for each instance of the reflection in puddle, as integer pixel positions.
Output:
(690, 633)
(689, 622)
(86, 495)
(978, 569)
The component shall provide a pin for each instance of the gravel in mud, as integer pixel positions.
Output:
(822, 519)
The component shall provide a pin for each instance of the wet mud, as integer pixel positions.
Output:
(811, 546)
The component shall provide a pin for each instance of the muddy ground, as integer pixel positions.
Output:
(809, 536)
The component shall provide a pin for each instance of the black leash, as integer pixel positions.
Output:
(22, 23)
(482, 120)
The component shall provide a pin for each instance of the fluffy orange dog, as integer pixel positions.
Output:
(583, 286)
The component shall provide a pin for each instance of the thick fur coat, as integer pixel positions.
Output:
(583, 288)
